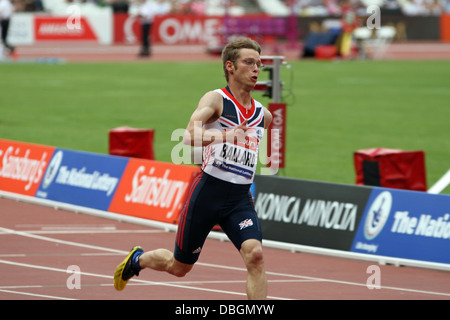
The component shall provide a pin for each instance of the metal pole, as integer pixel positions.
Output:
(276, 83)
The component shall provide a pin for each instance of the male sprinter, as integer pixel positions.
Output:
(229, 124)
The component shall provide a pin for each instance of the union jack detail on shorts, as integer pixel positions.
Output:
(246, 223)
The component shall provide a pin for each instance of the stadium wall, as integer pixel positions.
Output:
(120, 28)
(370, 223)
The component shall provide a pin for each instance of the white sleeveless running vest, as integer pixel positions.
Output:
(228, 161)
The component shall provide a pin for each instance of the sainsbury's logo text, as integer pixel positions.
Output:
(17, 165)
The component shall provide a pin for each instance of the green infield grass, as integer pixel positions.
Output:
(334, 108)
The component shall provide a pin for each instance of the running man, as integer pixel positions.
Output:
(229, 124)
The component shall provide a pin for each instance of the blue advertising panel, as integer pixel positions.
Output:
(82, 178)
(405, 224)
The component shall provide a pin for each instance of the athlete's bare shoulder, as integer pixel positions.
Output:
(210, 106)
(211, 99)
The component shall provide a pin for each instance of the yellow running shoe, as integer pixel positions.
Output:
(124, 271)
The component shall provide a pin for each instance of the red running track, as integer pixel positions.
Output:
(92, 52)
(39, 244)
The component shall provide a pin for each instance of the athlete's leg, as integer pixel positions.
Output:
(193, 229)
(163, 260)
(243, 229)
(252, 253)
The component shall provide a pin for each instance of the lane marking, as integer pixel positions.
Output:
(70, 243)
(78, 231)
(35, 295)
(200, 282)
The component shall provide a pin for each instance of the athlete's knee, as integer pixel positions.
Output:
(179, 269)
(253, 255)
(256, 257)
(180, 273)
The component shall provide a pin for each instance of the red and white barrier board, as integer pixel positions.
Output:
(27, 28)
(60, 28)
(169, 29)
(153, 190)
(22, 166)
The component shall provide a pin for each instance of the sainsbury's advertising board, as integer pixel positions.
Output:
(22, 166)
(153, 190)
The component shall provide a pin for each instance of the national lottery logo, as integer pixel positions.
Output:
(52, 169)
(377, 215)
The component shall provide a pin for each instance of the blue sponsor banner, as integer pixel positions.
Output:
(82, 178)
(405, 224)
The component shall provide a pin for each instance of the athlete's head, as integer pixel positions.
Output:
(232, 51)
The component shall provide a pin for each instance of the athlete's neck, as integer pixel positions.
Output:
(241, 94)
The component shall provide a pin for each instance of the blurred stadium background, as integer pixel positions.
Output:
(76, 73)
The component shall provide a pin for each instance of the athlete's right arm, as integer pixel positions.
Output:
(208, 110)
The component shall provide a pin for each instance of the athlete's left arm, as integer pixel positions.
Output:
(267, 118)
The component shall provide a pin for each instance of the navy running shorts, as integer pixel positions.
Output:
(215, 202)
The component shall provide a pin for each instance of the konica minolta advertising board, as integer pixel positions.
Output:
(82, 178)
(309, 212)
(379, 221)
(406, 224)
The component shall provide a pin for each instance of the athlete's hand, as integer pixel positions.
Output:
(238, 134)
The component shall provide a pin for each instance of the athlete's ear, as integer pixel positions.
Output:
(229, 65)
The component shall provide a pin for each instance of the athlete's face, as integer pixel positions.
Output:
(247, 67)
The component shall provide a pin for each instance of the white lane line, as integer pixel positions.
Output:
(70, 243)
(90, 254)
(109, 284)
(72, 226)
(35, 295)
(78, 231)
